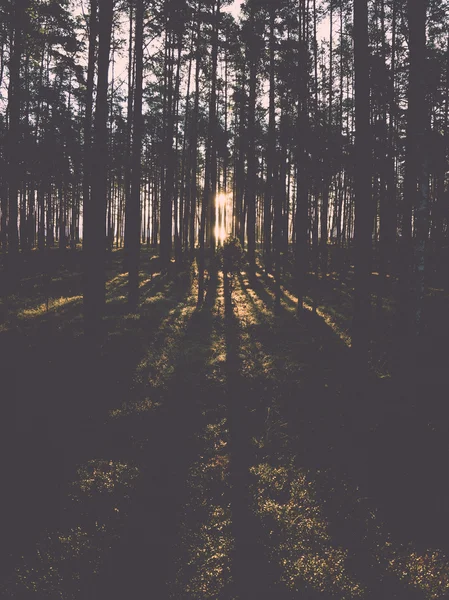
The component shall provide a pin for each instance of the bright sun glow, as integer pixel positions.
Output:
(221, 200)
(223, 216)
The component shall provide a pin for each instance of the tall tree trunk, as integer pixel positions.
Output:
(93, 30)
(129, 128)
(207, 226)
(194, 138)
(302, 193)
(271, 149)
(241, 152)
(419, 132)
(213, 124)
(184, 197)
(363, 190)
(409, 312)
(327, 175)
(176, 203)
(168, 169)
(13, 140)
(388, 211)
(251, 177)
(134, 212)
(95, 222)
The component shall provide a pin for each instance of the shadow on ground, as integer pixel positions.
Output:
(213, 452)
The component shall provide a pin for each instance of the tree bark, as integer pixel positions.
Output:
(95, 219)
(13, 140)
(363, 190)
(134, 212)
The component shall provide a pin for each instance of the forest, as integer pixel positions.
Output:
(224, 299)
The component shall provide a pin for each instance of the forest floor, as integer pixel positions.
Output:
(218, 452)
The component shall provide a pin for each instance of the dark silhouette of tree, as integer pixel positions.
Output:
(418, 187)
(363, 194)
(302, 185)
(95, 219)
(15, 96)
(252, 57)
(134, 209)
(89, 112)
(271, 145)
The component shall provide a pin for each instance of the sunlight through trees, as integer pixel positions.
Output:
(224, 298)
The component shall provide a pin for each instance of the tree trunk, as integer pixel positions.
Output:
(271, 149)
(129, 119)
(363, 190)
(418, 130)
(95, 220)
(302, 209)
(134, 212)
(13, 146)
(251, 177)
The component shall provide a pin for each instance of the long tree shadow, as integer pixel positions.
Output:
(151, 510)
(392, 443)
(145, 559)
(338, 446)
(303, 369)
(295, 531)
(252, 574)
(63, 424)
